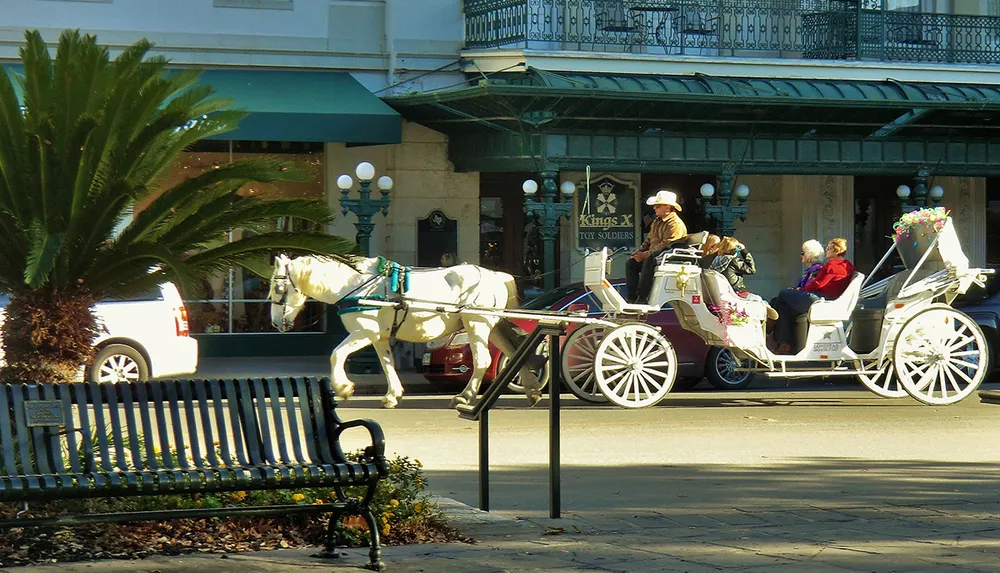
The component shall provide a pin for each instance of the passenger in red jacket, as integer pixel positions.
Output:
(829, 283)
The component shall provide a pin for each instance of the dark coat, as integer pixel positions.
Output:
(734, 266)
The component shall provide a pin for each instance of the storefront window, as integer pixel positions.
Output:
(236, 301)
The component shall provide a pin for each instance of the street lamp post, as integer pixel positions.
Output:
(547, 212)
(723, 210)
(920, 193)
(364, 207)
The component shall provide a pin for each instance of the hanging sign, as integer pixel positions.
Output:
(606, 214)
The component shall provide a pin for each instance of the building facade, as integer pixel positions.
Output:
(821, 108)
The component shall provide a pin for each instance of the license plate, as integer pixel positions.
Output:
(427, 359)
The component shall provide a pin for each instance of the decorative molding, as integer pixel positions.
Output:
(829, 211)
(253, 4)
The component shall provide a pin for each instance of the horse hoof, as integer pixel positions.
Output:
(389, 402)
(458, 401)
(344, 392)
(533, 398)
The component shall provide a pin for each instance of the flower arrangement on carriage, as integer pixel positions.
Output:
(914, 233)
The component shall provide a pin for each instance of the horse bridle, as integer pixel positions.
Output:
(281, 283)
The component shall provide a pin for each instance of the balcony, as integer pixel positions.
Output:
(805, 29)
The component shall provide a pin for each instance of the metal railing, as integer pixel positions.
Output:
(811, 29)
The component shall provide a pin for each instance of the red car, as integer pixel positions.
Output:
(449, 359)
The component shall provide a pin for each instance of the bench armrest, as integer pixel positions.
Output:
(374, 452)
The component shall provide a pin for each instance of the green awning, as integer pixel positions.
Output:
(286, 105)
(305, 106)
(573, 102)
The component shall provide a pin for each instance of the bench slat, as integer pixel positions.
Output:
(6, 439)
(263, 424)
(27, 470)
(319, 419)
(140, 434)
(220, 405)
(53, 444)
(96, 399)
(171, 453)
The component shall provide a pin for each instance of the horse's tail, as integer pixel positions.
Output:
(512, 300)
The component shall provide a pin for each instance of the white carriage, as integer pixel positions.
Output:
(904, 339)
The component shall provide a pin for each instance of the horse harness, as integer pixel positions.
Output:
(395, 280)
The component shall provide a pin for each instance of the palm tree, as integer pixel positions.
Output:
(91, 139)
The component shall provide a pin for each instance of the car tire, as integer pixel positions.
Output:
(119, 363)
(719, 370)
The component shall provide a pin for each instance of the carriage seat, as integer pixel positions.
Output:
(840, 309)
(686, 249)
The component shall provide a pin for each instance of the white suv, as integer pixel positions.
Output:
(146, 337)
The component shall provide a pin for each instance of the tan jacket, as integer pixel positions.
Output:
(664, 231)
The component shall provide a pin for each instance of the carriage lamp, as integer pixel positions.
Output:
(364, 207)
(922, 197)
(722, 209)
(547, 211)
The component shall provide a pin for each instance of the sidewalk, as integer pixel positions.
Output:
(954, 536)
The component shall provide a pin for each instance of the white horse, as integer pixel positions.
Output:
(330, 280)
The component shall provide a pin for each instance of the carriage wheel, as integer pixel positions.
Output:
(578, 362)
(885, 383)
(635, 366)
(940, 356)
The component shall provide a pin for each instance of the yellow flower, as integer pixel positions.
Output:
(318, 502)
(239, 496)
(298, 497)
(387, 515)
(393, 502)
(386, 529)
(418, 507)
(419, 465)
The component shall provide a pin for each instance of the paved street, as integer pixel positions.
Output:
(822, 479)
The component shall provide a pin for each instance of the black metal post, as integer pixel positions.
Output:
(547, 212)
(722, 210)
(555, 387)
(365, 361)
(484, 460)
(364, 207)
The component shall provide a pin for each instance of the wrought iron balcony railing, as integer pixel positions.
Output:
(814, 29)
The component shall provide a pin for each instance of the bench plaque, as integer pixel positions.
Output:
(42, 413)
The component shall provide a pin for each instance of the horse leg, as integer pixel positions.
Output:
(342, 385)
(502, 337)
(395, 390)
(478, 328)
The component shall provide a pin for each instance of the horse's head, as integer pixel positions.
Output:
(286, 300)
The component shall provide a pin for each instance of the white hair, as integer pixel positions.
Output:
(813, 251)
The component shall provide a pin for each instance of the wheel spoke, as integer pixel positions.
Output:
(963, 364)
(961, 373)
(965, 340)
(926, 378)
(653, 371)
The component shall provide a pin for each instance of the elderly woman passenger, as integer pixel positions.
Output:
(812, 255)
(829, 283)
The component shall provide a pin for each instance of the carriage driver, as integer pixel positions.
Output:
(665, 229)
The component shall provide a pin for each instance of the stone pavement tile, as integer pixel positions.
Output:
(781, 518)
(798, 566)
(590, 525)
(665, 564)
(820, 514)
(737, 518)
(715, 554)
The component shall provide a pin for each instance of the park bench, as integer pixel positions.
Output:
(166, 437)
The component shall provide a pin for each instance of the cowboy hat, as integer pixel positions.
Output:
(664, 197)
